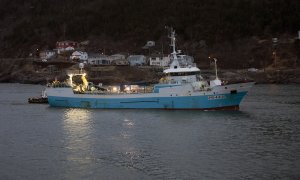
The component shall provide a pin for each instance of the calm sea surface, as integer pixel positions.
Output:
(261, 141)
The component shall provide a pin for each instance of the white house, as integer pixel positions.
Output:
(98, 59)
(79, 55)
(120, 62)
(185, 60)
(117, 57)
(159, 60)
(137, 60)
(47, 54)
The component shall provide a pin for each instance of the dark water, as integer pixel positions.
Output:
(261, 141)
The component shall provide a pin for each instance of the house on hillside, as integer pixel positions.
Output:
(98, 59)
(62, 46)
(117, 56)
(185, 60)
(120, 62)
(47, 54)
(80, 56)
(137, 60)
(118, 59)
(159, 60)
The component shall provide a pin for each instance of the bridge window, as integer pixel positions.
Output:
(184, 73)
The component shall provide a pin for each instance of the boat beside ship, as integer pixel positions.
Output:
(182, 87)
(43, 99)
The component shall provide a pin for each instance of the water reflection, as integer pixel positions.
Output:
(127, 133)
(77, 122)
(129, 150)
(78, 129)
(192, 116)
(127, 125)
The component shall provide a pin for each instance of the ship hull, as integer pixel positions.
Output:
(195, 102)
(218, 99)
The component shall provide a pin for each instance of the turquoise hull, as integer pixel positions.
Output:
(220, 101)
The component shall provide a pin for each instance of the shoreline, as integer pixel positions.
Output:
(25, 71)
(292, 78)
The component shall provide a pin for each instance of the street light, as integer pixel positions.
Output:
(275, 61)
(275, 42)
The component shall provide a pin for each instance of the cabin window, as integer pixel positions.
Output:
(184, 73)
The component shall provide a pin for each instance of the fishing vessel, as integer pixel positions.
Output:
(182, 87)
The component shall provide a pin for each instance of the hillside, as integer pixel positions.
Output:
(239, 32)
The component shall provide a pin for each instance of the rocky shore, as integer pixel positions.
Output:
(26, 71)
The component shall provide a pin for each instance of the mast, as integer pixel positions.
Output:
(175, 63)
(216, 69)
(173, 43)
